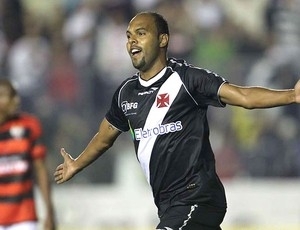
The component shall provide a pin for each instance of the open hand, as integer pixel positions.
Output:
(66, 170)
(297, 92)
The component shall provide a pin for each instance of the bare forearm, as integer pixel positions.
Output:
(258, 97)
(101, 142)
(44, 185)
(93, 151)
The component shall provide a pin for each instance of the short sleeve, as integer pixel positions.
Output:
(204, 86)
(115, 115)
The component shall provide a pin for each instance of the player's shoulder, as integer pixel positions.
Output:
(181, 64)
(28, 118)
(183, 68)
(28, 121)
(175, 63)
(130, 81)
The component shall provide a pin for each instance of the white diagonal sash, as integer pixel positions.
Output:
(155, 117)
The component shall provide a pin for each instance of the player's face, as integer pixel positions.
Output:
(143, 42)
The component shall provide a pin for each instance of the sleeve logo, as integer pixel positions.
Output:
(126, 106)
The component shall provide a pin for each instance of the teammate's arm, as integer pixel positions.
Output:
(258, 97)
(43, 182)
(101, 142)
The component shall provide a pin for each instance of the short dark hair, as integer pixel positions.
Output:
(6, 83)
(160, 22)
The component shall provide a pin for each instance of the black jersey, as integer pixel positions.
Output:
(167, 118)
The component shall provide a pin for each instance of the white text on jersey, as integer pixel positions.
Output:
(126, 106)
(158, 130)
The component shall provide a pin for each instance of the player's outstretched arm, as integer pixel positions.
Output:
(101, 142)
(258, 97)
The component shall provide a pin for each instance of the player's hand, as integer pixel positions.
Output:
(66, 170)
(297, 92)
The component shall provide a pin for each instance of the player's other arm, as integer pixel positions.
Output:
(43, 182)
(258, 97)
(101, 142)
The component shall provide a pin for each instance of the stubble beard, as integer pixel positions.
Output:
(139, 65)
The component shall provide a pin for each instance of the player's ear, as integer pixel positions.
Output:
(163, 40)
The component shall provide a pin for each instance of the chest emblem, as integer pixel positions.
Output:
(163, 100)
(17, 131)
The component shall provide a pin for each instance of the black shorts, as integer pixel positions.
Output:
(192, 217)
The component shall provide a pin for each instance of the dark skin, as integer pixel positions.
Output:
(148, 52)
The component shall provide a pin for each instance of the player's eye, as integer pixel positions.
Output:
(141, 33)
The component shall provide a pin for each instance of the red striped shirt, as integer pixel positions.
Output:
(19, 147)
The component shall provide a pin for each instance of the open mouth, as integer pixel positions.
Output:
(135, 51)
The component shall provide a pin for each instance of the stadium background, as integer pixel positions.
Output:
(66, 57)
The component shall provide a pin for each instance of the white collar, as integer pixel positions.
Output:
(154, 79)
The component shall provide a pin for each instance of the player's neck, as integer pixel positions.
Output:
(147, 76)
(153, 71)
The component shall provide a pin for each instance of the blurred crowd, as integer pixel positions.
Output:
(67, 57)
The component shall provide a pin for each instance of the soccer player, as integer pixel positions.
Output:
(21, 155)
(165, 107)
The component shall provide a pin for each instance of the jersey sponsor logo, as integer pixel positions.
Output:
(12, 166)
(126, 106)
(152, 90)
(163, 100)
(158, 130)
